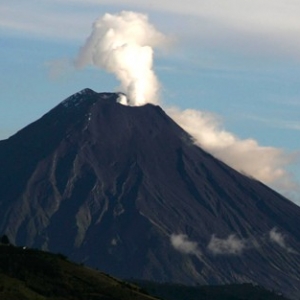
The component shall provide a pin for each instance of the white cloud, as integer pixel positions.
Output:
(182, 243)
(278, 238)
(294, 125)
(234, 245)
(271, 25)
(276, 122)
(231, 245)
(43, 21)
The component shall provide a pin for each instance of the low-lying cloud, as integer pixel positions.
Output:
(230, 245)
(279, 238)
(182, 243)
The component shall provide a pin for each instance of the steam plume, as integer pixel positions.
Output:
(123, 44)
(264, 163)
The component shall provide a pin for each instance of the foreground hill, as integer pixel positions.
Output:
(124, 189)
(27, 274)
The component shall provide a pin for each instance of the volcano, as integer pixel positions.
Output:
(125, 190)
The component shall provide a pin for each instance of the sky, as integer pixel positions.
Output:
(229, 73)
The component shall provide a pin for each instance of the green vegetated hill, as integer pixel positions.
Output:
(32, 274)
(222, 292)
(27, 274)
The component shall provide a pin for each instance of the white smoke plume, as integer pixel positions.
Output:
(278, 238)
(182, 243)
(231, 245)
(123, 44)
(264, 163)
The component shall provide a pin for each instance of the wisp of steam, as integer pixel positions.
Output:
(123, 44)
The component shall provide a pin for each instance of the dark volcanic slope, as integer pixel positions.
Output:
(110, 185)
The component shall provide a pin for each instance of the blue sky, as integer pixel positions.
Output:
(238, 60)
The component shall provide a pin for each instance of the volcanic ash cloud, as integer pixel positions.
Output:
(123, 44)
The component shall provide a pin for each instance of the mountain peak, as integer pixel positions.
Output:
(83, 95)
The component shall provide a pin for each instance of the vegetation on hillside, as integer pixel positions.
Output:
(27, 274)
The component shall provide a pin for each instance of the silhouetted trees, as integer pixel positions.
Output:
(4, 240)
